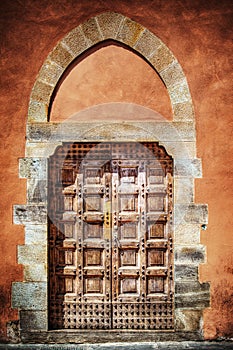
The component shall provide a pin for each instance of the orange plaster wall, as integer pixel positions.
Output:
(111, 74)
(199, 33)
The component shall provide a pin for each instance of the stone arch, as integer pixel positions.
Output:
(177, 136)
(111, 26)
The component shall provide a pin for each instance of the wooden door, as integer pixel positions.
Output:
(116, 265)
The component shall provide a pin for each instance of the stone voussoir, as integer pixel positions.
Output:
(42, 92)
(75, 42)
(109, 24)
(161, 58)
(91, 32)
(37, 111)
(179, 92)
(147, 43)
(130, 32)
(50, 72)
(183, 111)
(172, 73)
(61, 55)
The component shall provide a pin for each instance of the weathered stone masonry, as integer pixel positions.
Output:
(178, 137)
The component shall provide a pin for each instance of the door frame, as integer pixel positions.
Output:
(177, 136)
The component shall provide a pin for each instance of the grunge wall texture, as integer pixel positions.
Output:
(200, 36)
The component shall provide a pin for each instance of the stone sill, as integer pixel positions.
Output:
(191, 345)
(97, 336)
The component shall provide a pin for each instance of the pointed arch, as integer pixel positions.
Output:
(111, 26)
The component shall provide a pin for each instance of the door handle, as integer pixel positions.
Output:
(116, 242)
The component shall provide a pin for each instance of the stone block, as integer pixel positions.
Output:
(188, 167)
(35, 272)
(130, 32)
(13, 334)
(168, 131)
(33, 168)
(187, 234)
(32, 254)
(91, 32)
(75, 42)
(95, 131)
(183, 190)
(190, 255)
(161, 58)
(109, 24)
(42, 92)
(191, 287)
(179, 93)
(45, 149)
(147, 43)
(35, 234)
(181, 149)
(192, 300)
(115, 131)
(33, 320)
(37, 111)
(183, 111)
(29, 295)
(172, 74)
(188, 320)
(191, 214)
(36, 191)
(185, 130)
(186, 273)
(50, 72)
(34, 214)
(61, 56)
(39, 132)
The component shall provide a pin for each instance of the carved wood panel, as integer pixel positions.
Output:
(110, 241)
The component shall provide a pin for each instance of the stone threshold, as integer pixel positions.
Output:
(105, 336)
(191, 345)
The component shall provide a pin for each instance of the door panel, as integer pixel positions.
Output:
(111, 239)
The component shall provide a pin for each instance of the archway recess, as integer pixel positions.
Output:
(178, 138)
(111, 26)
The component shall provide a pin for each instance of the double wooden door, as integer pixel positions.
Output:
(111, 240)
